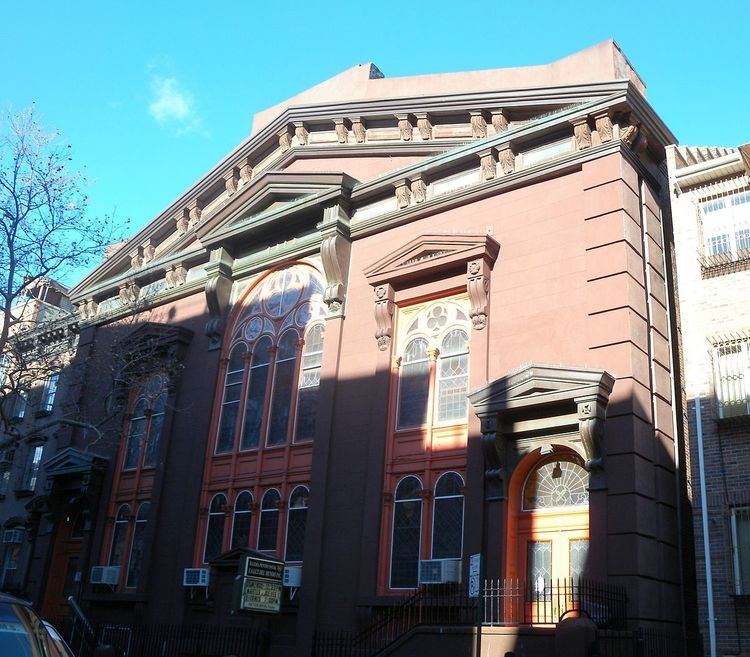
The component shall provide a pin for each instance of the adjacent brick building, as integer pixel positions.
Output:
(711, 212)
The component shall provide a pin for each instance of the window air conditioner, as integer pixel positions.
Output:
(195, 577)
(439, 571)
(292, 576)
(13, 536)
(105, 575)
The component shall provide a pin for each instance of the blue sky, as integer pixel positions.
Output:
(151, 95)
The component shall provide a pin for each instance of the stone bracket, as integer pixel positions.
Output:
(335, 252)
(384, 309)
(218, 290)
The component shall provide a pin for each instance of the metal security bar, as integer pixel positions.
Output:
(548, 601)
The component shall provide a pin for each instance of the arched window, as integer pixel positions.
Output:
(414, 385)
(448, 517)
(441, 328)
(119, 534)
(309, 384)
(243, 515)
(215, 529)
(286, 354)
(268, 529)
(453, 376)
(407, 529)
(230, 406)
(556, 483)
(256, 394)
(146, 424)
(295, 524)
(137, 546)
(278, 312)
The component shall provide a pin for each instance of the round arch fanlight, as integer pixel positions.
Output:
(557, 482)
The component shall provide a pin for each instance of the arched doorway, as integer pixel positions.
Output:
(548, 521)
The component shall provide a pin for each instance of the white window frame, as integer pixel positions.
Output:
(744, 355)
(726, 220)
(435, 498)
(745, 510)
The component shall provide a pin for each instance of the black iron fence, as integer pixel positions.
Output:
(641, 642)
(547, 602)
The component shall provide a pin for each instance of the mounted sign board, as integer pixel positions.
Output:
(262, 585)
(475, 568)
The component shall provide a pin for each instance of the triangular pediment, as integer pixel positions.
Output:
(430, 252)
(235, 556)
(538, 385)
(73, 461)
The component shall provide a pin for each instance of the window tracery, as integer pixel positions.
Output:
(146, 424)
(556, 483)
(278, 376)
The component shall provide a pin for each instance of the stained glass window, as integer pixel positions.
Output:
(269, 520)
(286, 355)
(231, 403)
(453, 376)
(256, 393)
(296, 523)
(414, 385)
(448, 517)
(242, 519)
(215, 530)
(119, 534)
(538, 568)
(137, 546)
(146, 424)
(559, 482)
(407, 527)
(309, 384)
(579, 551)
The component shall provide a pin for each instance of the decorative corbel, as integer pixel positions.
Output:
(424, 125)
(341, 126)
(182, 221)
(500, 120)
(246, 169)
(232, 180)
(195, 211)
(359, 129)
(285, 138)
(478, 287)
(384, 309)
(603, 121)
(301, 133)
(92, 308)
(175, 275)
(335, 251)
(491, 447)
(218, 289)
(629, 130)
(582, 133)
(592, 412)
(405, 126)
(488, 164)
(418, 188)
(478, 120)
(403, 194)
(129, 293)
(136, 258)
(149, 250)
(507, 159)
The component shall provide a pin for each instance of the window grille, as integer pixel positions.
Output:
(731, 378)
(741, 549)
(725, 223)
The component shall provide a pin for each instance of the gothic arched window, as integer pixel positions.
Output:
(243, 515)
(277, 314)
(215, 530)
(448, 517)
(146, 424)
(406, 538)
(556, 483)
(296, 523)
(438, 331)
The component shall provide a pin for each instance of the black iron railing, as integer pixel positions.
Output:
(547, 602)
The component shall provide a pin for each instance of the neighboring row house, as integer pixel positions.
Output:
(711, 209)
(404, 322)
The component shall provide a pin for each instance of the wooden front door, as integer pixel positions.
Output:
(64, 566)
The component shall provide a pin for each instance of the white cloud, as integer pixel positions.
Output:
(172, 106)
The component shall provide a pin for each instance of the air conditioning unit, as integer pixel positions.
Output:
(439, 571)
(292, 576)
(13, 536)
(109, 575)
(195, 577)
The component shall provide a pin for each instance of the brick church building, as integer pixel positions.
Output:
(404, 322)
